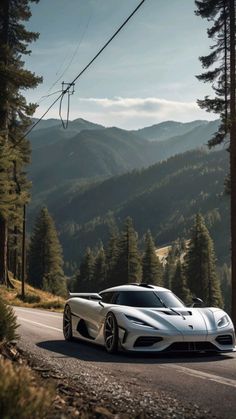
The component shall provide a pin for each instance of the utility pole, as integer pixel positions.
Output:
(233, 155)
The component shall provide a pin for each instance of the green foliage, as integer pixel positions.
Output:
(112, 254)
(224, 274)
(20, 395)
(8, 324)
(151, 265)
(128, 265)
(170, 267)
(15, 116)
(162, 198)
(201, 265)
(96, 154)
(29, 298)
(7, 201)
(100, 269)
(217, 12)
(179, 284)
(45, 256)
(84, 280)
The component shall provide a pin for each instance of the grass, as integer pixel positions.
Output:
(34, 298)
(21, 396)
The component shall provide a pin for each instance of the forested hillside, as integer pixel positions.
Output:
(164, 197)
(87, 151)
(168, 129)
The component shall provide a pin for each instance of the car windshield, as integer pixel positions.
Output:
(148, 299)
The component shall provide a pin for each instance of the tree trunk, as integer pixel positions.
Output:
(23, 258)
(15, 254)
(4, 128)
(3, 251)
(233, 155)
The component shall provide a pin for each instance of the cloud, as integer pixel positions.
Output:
(146, 105)
(136, 112)
(130, 113)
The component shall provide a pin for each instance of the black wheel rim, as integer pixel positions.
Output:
(67, 323)
(109, 332)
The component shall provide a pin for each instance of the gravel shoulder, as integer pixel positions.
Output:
(87, 390)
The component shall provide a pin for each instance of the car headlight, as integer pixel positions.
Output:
(139, 322)
(223, 321)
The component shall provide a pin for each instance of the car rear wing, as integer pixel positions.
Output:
(86, 295)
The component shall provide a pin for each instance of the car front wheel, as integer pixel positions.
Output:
(111, 333)
(67, 325)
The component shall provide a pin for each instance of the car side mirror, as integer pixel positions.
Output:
(197, 300)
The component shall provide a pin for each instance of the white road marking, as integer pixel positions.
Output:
(203, 375)
(35, 311)
(40, 324)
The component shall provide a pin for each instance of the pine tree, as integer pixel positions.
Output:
(152, 267)
(14, 112)
(179, 284)
(6, 205)
(222, 13)
(169, 269)
(45, 256)
(100, 270)
(217, 12)
(128, 266)
(200, 267)
(224, 273)
(84, 281)
(112, 253)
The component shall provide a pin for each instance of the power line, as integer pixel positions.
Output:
(83, 71)
(72, 58)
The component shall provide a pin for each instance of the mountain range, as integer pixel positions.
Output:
(86, 150)
(91, 177)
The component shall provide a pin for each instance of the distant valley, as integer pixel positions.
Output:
(90, 176)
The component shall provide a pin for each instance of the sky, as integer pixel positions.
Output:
(145, 76)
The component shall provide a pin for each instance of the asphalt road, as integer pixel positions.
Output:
(206, 380)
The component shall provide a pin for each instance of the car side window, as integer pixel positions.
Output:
(117, 298)
(107, 297)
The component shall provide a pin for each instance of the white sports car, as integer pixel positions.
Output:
(142, 317)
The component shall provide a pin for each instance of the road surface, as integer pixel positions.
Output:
(206, 380)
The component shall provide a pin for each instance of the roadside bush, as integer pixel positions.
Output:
(29, 298)
(20, 396)
(8, 323)
(50, 305)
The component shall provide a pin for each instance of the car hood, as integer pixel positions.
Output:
(190, 321)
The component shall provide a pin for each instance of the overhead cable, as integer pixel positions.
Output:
(82, 72)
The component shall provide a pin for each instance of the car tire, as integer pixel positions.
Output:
(111, 338)
(67, 324)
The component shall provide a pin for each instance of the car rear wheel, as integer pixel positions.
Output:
(67, 325)
(111, 333)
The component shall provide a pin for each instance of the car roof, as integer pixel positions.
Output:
(135, 287)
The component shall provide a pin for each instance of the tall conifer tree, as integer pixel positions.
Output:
(14, 110)
(217, 12)
(45, 256)
(200, 265)
(100, 269)
(128, 266)
(84, 280)
(169, 269)
(152, 267)
(222, 15)
(112, 253)
(179, 284)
